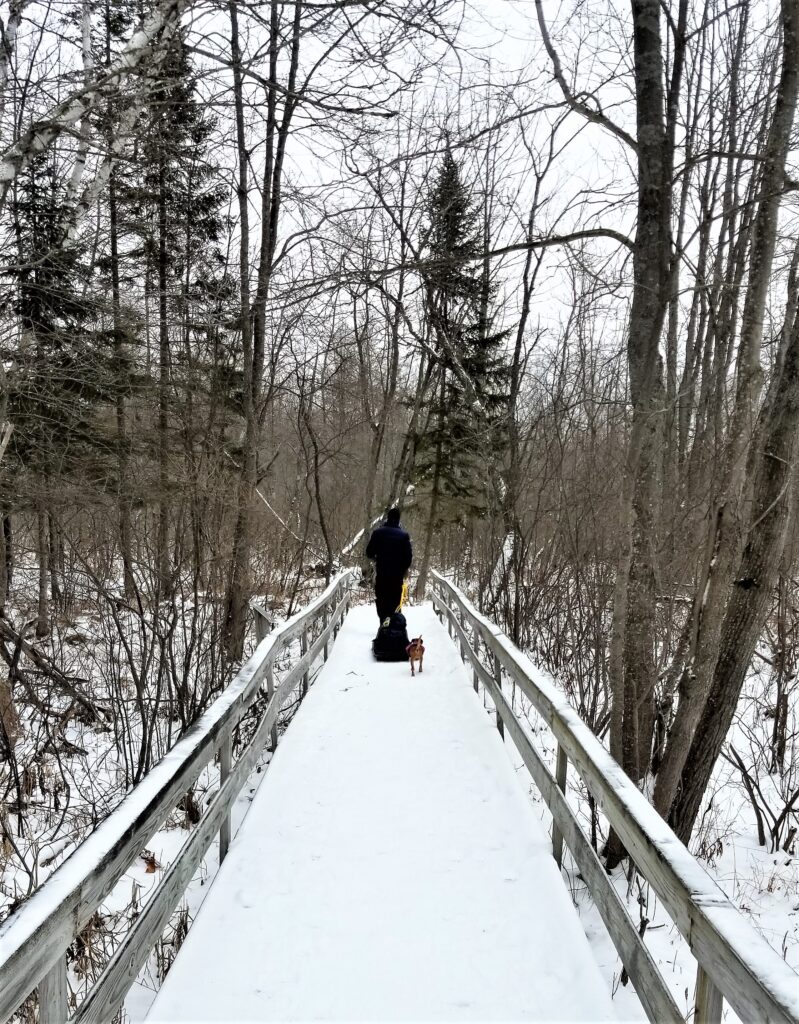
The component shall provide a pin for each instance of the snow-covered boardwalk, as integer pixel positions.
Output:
(390, 867)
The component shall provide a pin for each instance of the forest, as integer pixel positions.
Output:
(527, 270)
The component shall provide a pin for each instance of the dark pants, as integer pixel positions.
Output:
(388, 593)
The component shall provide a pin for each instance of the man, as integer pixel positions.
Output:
(391, 550)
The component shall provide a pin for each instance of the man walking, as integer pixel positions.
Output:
(391, 550)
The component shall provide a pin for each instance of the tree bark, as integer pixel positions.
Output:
(43, 559)
(162, 556)
(120, 368)
(651, 293)
(756, 575)
(715, 596)
(255, 401)
(10, 730)
(435, 493)
(65, 115)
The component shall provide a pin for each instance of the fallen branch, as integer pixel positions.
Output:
(64, 682)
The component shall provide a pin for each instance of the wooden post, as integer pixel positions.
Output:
(225, 763)
(498, 681)
(264, 622)
(709, 1000)
(476, 685)
(270, 689)
(325, 621)
(53, 1005)
(560, 778)
(462, 620)
(304, 651)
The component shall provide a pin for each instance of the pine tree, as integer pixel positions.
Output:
(465, 426)
(59, 372)
(175, 202)
(463, 434)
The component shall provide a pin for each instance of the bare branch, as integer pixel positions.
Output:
(575, 101)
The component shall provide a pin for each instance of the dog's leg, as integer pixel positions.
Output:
(421, 664)
(412, 672)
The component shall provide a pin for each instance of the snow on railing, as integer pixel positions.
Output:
(34, 940)
(734, 962)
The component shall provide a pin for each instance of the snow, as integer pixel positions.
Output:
(554, 705)
(732, 926)
(391, 867)
(63, 890)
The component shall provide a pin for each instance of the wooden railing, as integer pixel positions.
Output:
(34, 940)
(734, 962)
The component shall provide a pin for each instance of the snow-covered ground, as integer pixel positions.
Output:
(390, 867)
(763, 884)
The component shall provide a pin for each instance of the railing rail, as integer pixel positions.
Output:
(734, 962)
(34, 940)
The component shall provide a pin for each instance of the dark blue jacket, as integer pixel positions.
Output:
(390, 547)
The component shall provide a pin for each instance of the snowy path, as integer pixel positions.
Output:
(390, 867)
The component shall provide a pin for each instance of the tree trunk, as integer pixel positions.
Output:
(634, 609)
(6, 551)
(162, 555)
(424, 565)
(715, 597)
(771, 466)
(254, 344)
(239, 558)
(120, 373)
(57, 573)
(782, 670)
(10, 730)
(43, 558)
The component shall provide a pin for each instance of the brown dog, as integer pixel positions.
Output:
(415, 651)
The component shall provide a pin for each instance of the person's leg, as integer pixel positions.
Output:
(388, 593)
(382, 600)
(393, 594)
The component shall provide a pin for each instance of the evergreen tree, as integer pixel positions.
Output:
(175, 203)
(465, 431)
(59, 374)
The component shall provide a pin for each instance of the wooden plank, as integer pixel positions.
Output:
(33, 939)
(225, 758)
(468, 651)
(48, 932)
(109, 991)
(498, 688)
(264, 622)
(304, 650)
(642, 969)
(560, 777)
(485, 676)
(53, 998)
(301, 667)
(709, 1001)
(270, 689)
(119, 974)
(747, 971)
